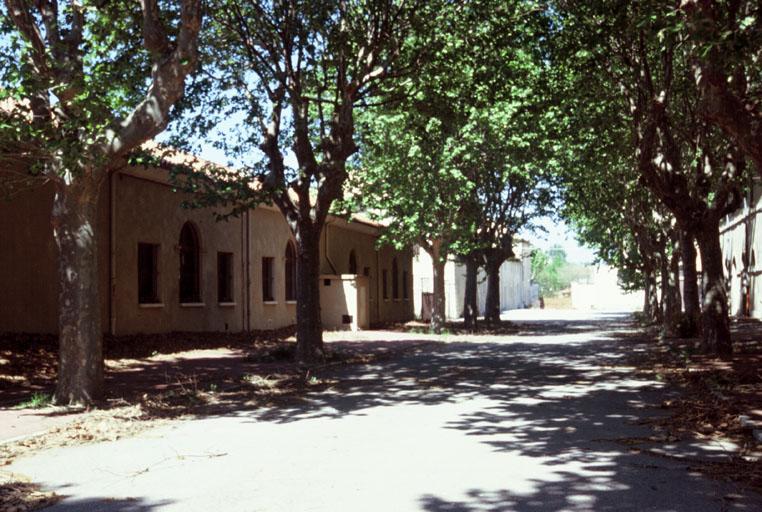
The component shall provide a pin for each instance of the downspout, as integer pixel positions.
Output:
(243, 272)
(327, 252)
(112, 253)
(248, 272)
(378, 285)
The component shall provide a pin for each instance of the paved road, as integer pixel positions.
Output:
(526, 422)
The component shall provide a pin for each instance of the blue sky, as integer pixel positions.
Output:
(558, 232)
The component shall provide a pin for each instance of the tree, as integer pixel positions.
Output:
(552, 271)
(473, 140)
(410, 179)
(83, 87)
(514, 181)
(725, 40)
(293, 74)
(624, 223)
(693, 171)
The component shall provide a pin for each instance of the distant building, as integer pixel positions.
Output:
(601, 291)
(516, 288)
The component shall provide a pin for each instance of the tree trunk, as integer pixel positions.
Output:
(674, 283)
(663, 285)
(438, 262)
(651, 299)
(470, 301)
(690, 285)
(309, 328)
(80, 370)
(715, 325)
(671, 293)
(492, 307)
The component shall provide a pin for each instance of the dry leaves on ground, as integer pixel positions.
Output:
(715, 396)
(18, 494)
(94, 426)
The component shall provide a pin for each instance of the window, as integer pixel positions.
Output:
(384, 287)
(224, 277)
(290, 271)
(404, 285)
(268, 294)
(352, 262)
(148, 273)
(395, 280)
(190, 288)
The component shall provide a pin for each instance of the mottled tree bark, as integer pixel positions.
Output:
(492, 306)
(309, 329)
(651, 300)
(674, 282)
(671, 300)
(690, 285)
(80, 370)
(438, 312)
(725, 101)
(715, 325)
(663, 285)
(470, 299)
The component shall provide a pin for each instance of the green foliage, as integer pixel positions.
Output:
(36, 401)
(637, 149)
(279, 93)
(75, 78)
(466, 161)
(553, 272)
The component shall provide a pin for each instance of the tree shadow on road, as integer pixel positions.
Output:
(561, 397)
(570, 404)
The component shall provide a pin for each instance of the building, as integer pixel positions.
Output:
(740, 237)
(601, 291)
(167, 268)
(516, 289)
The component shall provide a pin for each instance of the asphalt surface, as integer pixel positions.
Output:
(536, 421)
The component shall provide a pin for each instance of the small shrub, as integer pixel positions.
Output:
(37, 401)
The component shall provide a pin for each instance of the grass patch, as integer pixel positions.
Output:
(36, 401)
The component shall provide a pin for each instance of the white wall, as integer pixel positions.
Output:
(602, 292)
(733, 238)
(423, 282)
(515, 283)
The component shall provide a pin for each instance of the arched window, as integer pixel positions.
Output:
(290, 271)
(352, 262)
(395, 280)
(190, 287)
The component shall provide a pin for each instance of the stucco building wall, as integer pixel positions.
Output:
(139, 206)
(269, 236)
(149, 211)
(29, 283)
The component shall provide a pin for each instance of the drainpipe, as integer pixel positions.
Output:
(327, 256)
(247, 294)
(111, 252)
(378, 285)
(243, 272)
